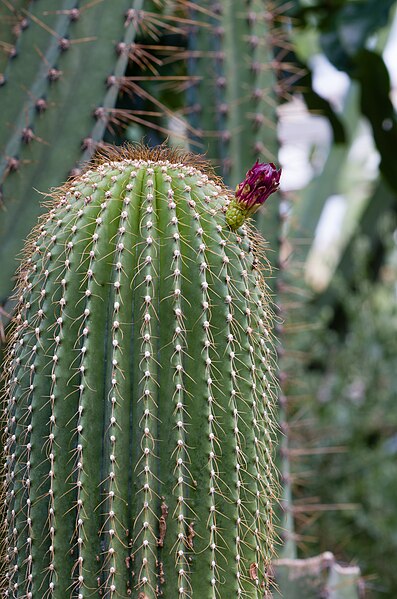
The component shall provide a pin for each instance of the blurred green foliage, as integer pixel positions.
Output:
(353, 384)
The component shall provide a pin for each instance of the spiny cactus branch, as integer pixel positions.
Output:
(139, 392)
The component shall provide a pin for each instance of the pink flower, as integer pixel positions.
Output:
(260, 182)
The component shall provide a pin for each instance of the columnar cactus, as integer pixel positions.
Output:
(139, 392)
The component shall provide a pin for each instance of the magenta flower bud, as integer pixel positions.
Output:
(260, 182)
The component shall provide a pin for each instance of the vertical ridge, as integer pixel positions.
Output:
(172, 384)
(87, 450)
(114, 520)
(67, 380)
(19, 425)
(64, 410)
(208, 409)
(145, 426)
(180, 454)
(246, 389)
(117, 458)
(40, 500)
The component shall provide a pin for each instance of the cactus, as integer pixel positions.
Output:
(11, 25)
(139, 391)
(58, 96)
(238, 73)
(233, 81)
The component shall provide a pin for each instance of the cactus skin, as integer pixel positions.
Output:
(139, 392)
(238, 75)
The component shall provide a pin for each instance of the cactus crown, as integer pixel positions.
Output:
(139, 392)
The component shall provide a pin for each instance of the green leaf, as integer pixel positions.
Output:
(349, 29)
(376, 105)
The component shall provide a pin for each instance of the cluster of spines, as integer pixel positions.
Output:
(215, 262)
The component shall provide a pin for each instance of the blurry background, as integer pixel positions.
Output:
(309, 84)
(346, 416)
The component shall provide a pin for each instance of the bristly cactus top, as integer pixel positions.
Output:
(139, 392)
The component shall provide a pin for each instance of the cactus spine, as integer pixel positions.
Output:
(139, 392)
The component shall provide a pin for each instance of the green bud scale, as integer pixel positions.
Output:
(139, 392)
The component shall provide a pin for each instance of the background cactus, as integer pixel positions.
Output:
(316, 578)
(238, 76)
(140, 392)
(70, 69)
(62, 81)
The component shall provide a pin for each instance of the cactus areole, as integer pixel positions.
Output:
(139, 392)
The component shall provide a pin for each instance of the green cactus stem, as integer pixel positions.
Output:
(12, 23)
(139, 392)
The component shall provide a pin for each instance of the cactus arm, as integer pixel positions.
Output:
(34, 86)
(344, 582)
(128, 39)
(263, 35)
(316, 577)
(267, 65)
(239, 87)
(37, 52)
(231, 99)
(205, 66)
